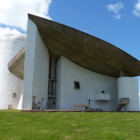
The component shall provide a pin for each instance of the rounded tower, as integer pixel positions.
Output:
(10, 85)
(128, 90)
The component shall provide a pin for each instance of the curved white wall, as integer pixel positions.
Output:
(36, 69)
(128, 88)
(10, 45)
(91, 83)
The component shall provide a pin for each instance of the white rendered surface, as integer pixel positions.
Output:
(128, 88)
(102, 96)
(90, 84)
(59, 83)
(36, 69)
(20, 102)
(10, 45)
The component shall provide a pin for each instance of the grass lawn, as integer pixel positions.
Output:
(15, 125)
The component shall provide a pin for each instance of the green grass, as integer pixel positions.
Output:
(15, 125)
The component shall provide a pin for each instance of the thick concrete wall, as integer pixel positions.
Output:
(59, 85)
(36, 69)
(20, 102)
(128, 88)
(41, 71)
(10, 45)
(91, 83)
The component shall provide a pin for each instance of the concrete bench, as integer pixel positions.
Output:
(96, 109)
(81, 105)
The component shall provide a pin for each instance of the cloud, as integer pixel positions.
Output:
(13, 13)
(7, 30)
(115, 7)
(136, 10)
(117, 16)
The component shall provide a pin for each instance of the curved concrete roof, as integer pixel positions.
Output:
(85, 50)
(16, 65)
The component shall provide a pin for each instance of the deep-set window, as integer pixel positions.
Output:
(103, 92)
(76, 85)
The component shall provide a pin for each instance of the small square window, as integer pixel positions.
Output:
(103, 92)
(14, 94)
(76, 85)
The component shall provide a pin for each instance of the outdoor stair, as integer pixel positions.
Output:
(120, 106)
(123, 102)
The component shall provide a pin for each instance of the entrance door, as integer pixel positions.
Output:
(51, 103)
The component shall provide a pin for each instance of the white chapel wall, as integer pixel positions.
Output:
(59, 85)
(128, 88)
(10, 45)
(36, 69)
(41, 72)
(91, 83)
(20, 102)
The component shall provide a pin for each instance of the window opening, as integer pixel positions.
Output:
(76, 85)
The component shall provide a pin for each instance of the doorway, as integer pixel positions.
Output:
(51, 103)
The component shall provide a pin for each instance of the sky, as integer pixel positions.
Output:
(117, 22)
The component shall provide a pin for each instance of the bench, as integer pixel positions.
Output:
(96, 109)
(81, 105)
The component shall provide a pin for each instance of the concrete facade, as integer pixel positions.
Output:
(91, 84)
(61, 66)
(85, 50)
(128, 88)
(10, 45)
(16, 65)
(36, 69)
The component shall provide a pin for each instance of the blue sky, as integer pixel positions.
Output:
(94, 17)
(117, 22)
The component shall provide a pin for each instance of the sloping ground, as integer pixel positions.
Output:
(15, 125)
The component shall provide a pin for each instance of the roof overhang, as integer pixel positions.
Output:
(83, 49)
(16, 65)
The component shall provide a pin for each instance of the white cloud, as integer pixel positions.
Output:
(14, 12)
(115, 7)
(7, 30)
(117, 16)
(136, 11)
